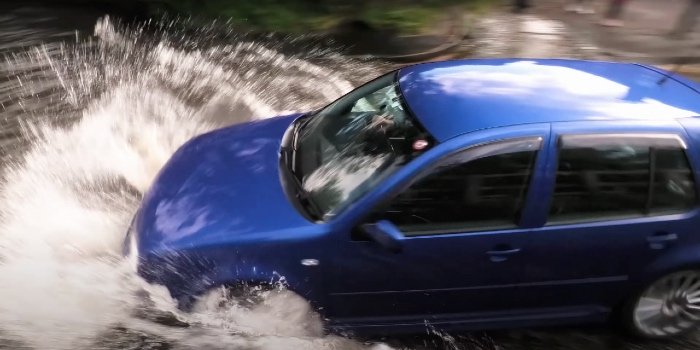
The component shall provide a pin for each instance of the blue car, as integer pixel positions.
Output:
(463, 195)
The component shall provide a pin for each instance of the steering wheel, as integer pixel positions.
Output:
(376, 137)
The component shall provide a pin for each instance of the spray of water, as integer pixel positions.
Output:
(89, 125)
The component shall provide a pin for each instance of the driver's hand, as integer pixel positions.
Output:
(381, 122)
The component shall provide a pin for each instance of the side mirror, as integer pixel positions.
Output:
(386, 234)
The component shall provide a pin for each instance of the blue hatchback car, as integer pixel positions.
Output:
(465, 195)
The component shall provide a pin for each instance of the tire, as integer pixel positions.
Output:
(668, 307)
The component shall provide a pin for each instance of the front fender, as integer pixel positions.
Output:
(191, 273)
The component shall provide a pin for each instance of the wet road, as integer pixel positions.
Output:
(90, 110)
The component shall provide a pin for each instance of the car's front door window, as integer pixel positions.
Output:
(481, 188)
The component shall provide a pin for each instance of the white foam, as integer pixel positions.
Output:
(67, 202)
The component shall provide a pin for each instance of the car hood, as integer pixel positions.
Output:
(220, 187)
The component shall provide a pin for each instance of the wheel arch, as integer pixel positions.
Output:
(678, 259)
(244, 287)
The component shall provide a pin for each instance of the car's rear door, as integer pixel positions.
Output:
(461, 219)
(621, 195)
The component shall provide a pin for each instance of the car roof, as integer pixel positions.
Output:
(452, 98)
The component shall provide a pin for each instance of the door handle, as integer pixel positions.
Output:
(500, 254)
(503, 252)
(660, 239)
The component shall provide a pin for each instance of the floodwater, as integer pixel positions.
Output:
(90, 109)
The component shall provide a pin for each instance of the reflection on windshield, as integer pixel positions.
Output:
(342, 174)
(352, 144)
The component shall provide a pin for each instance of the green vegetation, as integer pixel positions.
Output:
(317, 15)
(415, 16)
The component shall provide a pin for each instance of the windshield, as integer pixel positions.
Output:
(348, 147)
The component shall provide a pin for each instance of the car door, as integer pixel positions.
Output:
(462, 228)
(622, 196)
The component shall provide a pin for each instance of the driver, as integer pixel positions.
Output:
(389, 119)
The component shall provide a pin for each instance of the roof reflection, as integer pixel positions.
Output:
(456, 97)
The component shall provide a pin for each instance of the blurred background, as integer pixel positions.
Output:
(660, 32)
(95, 95)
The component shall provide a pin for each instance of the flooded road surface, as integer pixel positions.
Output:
(89, 112)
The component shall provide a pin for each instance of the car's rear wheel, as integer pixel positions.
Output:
(667, 307)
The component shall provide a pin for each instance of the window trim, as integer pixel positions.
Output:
(538, 146)
(591, 139)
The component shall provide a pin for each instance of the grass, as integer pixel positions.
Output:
(298, 16)
(415, 16)
(406, 19)
(293, 16)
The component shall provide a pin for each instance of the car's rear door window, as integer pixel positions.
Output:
(601, 177)
(481, 188)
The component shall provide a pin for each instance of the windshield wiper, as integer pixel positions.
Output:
(302, 122)
(300, 194)
(307, 202)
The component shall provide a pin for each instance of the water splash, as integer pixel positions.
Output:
(90, 124)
